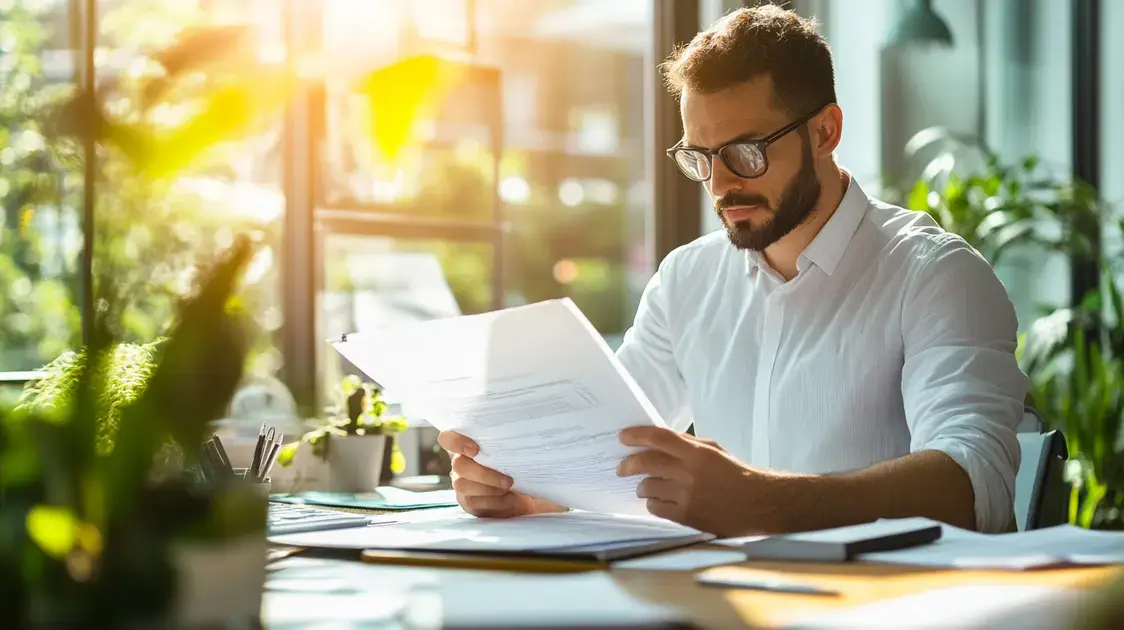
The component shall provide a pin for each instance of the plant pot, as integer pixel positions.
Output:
(219, 581)
(355, 462)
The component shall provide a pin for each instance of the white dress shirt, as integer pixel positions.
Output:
(894, 336)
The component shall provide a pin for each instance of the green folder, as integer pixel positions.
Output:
(385, 498)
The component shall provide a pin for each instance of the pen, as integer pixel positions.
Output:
(270, 458)
(772, 586)
(252, 469)
(215, 459)
(222, 454)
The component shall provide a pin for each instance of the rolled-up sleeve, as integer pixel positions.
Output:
(647, 351)
(962, 386)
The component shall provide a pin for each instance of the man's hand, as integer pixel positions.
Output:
(694, 482)
(482, 491)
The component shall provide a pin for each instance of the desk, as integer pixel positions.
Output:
(858, 583)
(710, 607)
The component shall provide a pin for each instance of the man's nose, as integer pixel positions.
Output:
(722, 179)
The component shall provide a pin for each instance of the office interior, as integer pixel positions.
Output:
(538, 173)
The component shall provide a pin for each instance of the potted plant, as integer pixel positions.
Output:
(354, 440)
(96, 526)
(1074, 357)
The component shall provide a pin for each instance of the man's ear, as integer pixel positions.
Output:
(827, 130)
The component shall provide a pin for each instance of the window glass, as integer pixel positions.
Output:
(565, 85)
(153, 237)
(40, 190)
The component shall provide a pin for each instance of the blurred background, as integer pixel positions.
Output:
(541, 172)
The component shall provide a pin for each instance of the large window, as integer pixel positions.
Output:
(527, 182)
(153, 236)
(532, 177)
(40, 191)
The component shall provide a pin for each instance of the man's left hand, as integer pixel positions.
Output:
(696, 483)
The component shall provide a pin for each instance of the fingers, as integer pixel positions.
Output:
(708, 442)
(457, 444)
(652, 464)
(665, 509)
(659, 438)
(663, 490)
(472, 488)
(474, 471)
(486, 506)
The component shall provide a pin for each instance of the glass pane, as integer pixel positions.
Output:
(372, 281)
(154, 236)
(1112, 126)
(40, 189)
(574, 81)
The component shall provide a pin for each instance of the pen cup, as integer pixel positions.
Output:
(262, 487)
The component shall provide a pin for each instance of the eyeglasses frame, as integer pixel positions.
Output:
(761, 143)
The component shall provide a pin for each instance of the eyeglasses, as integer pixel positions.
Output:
(745, 158)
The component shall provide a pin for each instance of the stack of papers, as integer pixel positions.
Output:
(583, 534)
(535, 386)
(385, 498)
(958, 548)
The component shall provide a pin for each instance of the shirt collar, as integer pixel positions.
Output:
(827, 248)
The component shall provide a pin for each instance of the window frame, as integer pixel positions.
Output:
(676, 208)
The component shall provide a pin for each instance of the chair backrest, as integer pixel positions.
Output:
(1041, 494)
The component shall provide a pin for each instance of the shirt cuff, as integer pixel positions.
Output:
(992, 486)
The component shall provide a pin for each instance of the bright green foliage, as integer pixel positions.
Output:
(126, 372)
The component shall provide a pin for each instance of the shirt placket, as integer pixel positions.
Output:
(762, 400)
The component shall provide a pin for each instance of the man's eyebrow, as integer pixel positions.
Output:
(749, 135)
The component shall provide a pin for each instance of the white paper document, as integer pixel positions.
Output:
(958, 548)
(535, 386)
(539, 532)
(974, 607)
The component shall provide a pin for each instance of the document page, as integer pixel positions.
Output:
(535, 386)
(1063, 544)
(539, 532)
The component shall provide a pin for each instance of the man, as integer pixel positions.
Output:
(853, 360)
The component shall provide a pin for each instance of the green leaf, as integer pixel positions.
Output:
(54, 529)
(287, 453)
(919, 197)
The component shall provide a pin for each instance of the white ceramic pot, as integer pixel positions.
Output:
(355, 462)
(220, 582)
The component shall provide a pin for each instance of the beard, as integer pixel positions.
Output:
(797, 202)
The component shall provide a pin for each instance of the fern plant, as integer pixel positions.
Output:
(125, 372)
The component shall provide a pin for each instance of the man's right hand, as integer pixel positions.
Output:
(482, 491)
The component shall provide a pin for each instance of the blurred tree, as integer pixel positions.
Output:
(150, 237)
(39, 199)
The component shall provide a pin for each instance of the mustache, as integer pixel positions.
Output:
(737, 199)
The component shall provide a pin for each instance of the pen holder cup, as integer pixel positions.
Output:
(262, 487)
(221, 574)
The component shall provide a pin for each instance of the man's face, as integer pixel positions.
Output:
(760, 211)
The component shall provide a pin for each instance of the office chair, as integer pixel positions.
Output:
(1041, 493)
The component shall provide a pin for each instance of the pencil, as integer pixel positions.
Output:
(474, 561)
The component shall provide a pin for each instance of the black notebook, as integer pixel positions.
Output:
(844, 543)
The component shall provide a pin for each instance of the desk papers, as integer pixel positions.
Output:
(535, 386)
(322, 593)
(975, 607)
(1063, 544)
(534, 534)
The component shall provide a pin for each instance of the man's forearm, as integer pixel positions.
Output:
(925, 483)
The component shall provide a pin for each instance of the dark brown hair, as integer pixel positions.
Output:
(751, 42)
